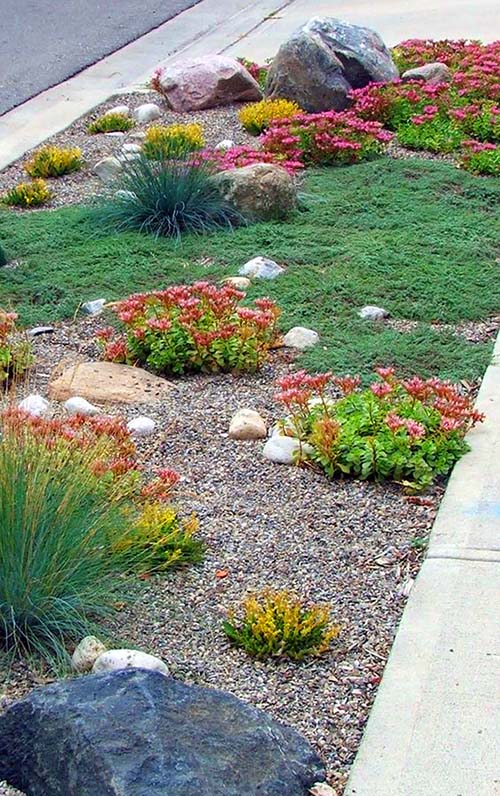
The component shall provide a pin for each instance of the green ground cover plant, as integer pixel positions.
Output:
(419, 238)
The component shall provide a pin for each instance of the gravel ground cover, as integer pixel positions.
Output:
(347, 543)
(218, 124)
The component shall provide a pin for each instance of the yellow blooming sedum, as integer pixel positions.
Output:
(276, 623)
(54, 161)
(159, 539)
(164, 141)
(257, 117)
(27, 194)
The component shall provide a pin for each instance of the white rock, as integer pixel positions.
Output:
(80, 406)
(93, 307)
(372, 313)
(116, 133)
(147, 112)
(86, 654)
(37, 330)
(284, 450)
(322, 789)
(128, 659)
(301, 338)
(123, 109)
(225, 144)
(141, 426)
(247, 424)
(261, 268)
(108, 169)
(35, 405)
(239, 282)
(131, 148)
(138, 135)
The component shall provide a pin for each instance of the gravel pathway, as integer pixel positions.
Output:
(346, 543)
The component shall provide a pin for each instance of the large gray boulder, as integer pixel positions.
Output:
(138, 733)
(326, 58)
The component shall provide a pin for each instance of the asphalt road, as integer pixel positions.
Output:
(43, 42)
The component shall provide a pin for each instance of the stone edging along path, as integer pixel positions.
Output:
(433, 727)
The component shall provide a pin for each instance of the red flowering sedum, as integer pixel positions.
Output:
(198, 327)
(410, 431)
(327, 138)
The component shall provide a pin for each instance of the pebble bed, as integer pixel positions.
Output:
(81, 186)
(345, 543)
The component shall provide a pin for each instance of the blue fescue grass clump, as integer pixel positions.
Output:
(167, 198)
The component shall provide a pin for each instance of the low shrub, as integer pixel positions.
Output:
(172, 141)
(111, 123)
(394, 104)
(479, 120)
(15, 351)
(71, 494)
(409, 431)
(185, 328)
(277, 624)
(239, 156)
(53, 161)
(480, 158)
(258, 71)
(27, 194)
(161, 540)
(325, 139)
(431, 131)
(257, 116)
(167, 198)
(412, 53)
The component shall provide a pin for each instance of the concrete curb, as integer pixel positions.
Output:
(206, 28)
(432, 729)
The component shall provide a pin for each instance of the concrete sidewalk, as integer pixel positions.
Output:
(434, 726)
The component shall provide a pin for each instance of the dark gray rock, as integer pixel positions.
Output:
(138, 733)
(323, 60)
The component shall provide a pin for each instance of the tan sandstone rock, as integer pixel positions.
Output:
(108, 382)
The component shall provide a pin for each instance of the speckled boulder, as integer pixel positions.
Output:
(138, 733)
(206, 82)
(323, 60)
(260, 192)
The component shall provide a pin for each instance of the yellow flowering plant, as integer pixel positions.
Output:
(111, 123)
(159, 539)
(257, 117)
(278, 624)
(54, 161)
(171, 141)
(27, 194)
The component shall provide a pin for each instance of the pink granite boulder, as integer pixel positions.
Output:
(206, 82)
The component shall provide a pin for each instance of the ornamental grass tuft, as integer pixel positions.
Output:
(167, 198)
(277, 624)
(71, 495)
